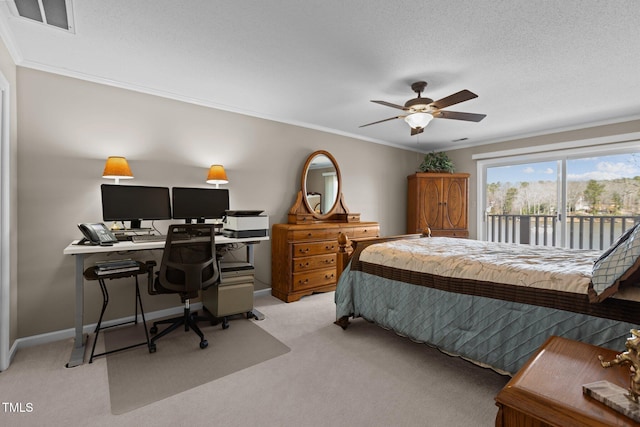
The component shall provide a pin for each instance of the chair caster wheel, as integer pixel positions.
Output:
(225, 326)
(153, 330)
(203, 344)
(152, 348)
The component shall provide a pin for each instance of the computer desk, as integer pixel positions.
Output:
(82, 251)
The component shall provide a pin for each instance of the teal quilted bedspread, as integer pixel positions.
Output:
(493, 333)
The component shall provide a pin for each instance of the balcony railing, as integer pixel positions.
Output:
(583, 231)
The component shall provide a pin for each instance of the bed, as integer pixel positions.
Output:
(491, 303)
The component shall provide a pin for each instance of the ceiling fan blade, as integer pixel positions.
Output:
(456, 98)
(416, 131)
(389, 104)
(469, 117)
(380, 121)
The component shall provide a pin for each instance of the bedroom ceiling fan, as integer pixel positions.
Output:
(420, 111)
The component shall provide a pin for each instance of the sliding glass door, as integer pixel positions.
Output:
(578, 198)
(602, 198)
(522, 203)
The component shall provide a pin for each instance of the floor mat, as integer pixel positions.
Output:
(137, 377)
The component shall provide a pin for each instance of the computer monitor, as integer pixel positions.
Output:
(135, 203)
(199, 203)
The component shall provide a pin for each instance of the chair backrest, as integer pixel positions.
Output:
(189, 260)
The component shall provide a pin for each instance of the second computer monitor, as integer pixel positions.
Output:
(199, 203)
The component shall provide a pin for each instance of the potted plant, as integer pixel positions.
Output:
(437, 162)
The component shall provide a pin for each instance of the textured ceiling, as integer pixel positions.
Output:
(537, 66)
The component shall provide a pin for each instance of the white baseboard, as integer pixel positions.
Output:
(88, 329)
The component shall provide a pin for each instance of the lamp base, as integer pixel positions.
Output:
(615, 397)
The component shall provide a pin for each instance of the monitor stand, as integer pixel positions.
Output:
(198, 220)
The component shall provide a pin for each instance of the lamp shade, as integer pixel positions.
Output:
(117, 168)
(217, 175)
(418, 120)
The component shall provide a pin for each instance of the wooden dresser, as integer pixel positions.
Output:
(303, 257)
(304, 251)
(439, 201)
(547, 391)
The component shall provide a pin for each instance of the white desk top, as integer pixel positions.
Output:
(124, 246)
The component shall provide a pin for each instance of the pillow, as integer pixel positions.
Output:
(618, 241)
(617, 264)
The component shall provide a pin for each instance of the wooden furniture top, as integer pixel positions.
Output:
(439, 175)
(549, 386)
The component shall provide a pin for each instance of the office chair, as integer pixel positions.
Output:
(188, 264)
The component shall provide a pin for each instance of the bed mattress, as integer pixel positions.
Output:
(522, 265)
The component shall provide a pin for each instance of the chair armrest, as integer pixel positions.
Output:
(150, 277)
(217, 276)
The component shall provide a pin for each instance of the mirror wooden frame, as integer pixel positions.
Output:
(304, 183)
(302, 213)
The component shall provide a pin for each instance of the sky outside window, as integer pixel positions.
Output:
(597, 168)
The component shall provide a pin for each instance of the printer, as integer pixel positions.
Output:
(242, 224)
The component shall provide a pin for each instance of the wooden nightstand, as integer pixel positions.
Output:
(547, 391)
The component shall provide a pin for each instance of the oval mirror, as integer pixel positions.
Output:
(321, 184)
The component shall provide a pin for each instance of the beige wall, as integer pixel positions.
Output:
(67, 128)
(464, 163)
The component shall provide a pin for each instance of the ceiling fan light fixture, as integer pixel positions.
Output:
(418, 120)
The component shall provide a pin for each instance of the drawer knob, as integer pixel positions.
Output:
(328, 276)
(303, 282)
(329, 247)
(304, 251)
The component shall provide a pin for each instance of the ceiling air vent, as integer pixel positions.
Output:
(57, 13)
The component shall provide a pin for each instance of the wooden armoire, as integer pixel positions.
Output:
(439, 202)
(304, 251)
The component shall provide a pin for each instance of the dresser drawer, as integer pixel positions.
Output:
(369, 231)
(314, 279)
(353, 217)
(314, 262)
(314, 248)
(312, 234)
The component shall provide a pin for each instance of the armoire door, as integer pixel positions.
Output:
(430, 200)
(454, 203)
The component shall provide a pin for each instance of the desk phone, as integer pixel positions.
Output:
(96, 234)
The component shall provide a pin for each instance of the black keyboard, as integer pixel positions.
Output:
(148, 238)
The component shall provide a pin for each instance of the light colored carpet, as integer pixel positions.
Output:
(362, 377)
(137, 377)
